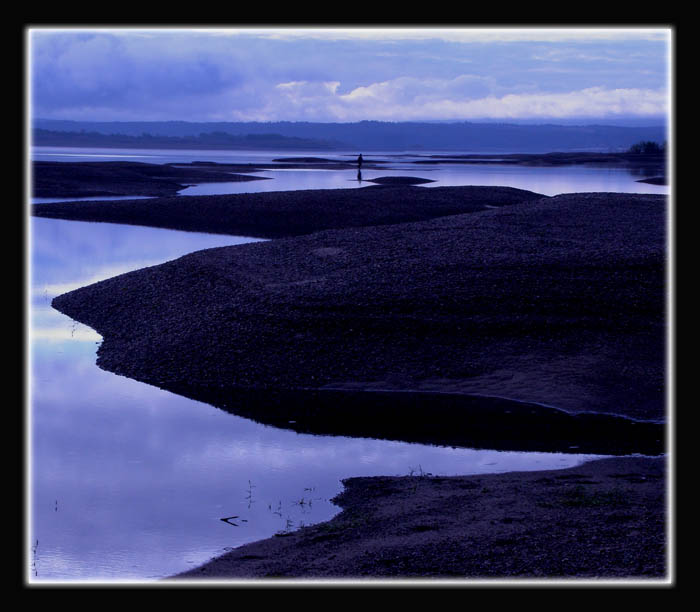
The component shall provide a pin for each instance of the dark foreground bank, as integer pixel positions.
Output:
(551, 310)
(119, 179)
(558, 301)
(603, 520)
(290, 213)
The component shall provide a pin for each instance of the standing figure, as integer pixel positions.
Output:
(359, 167)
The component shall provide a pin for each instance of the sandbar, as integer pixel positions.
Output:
(553, 307)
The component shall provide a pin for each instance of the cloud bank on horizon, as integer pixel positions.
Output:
(348, 74)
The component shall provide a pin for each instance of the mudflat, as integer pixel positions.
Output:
(557, 301)
(282, 214)
(549, 309)
(602, 520)
(114, 178)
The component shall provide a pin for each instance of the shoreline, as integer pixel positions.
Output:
(555, 301)
(126, 178)
(284, 214)
(458, 420)
(114, 178)
(603, 520)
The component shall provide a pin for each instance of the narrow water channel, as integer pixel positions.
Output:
(128, 482)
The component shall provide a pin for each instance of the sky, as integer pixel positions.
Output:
(346, 74)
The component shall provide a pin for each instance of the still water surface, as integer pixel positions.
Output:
(545, 180)
(129, 482)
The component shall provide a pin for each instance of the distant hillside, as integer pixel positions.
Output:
(211, 140)
(363, 135)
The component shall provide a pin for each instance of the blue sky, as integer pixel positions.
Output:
(349, 73)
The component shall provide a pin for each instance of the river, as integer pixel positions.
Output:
(130, 483)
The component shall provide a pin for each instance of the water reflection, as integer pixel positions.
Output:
(129, 482)
(66, 255)
(547, 180)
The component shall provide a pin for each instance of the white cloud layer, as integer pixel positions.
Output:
(407, 99)
(456, 34)
(348, 74)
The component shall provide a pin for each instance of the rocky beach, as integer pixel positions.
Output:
(600, 522)
(469, 316)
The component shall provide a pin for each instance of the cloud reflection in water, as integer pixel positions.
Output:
(129, 482)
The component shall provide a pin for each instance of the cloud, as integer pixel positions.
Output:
(592, 102)
(103, 70)
(344, 74)
(465, 97)
(458, 34)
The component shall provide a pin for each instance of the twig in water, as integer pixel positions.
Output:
(249, 497)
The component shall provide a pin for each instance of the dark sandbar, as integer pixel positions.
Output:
(558, 301)
(655, 180)
(400, 180)
(92, 179)
(290, 213)
(393, 330)
(604, 519)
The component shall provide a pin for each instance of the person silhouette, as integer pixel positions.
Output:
(359, 167)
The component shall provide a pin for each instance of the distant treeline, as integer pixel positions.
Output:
(366, 135)
(211, 140)
(648, 148)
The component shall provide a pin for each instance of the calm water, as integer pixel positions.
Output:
(547, 181)
(129, 482)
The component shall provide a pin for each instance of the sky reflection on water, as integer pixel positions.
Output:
(547, 180)
(129, 482)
